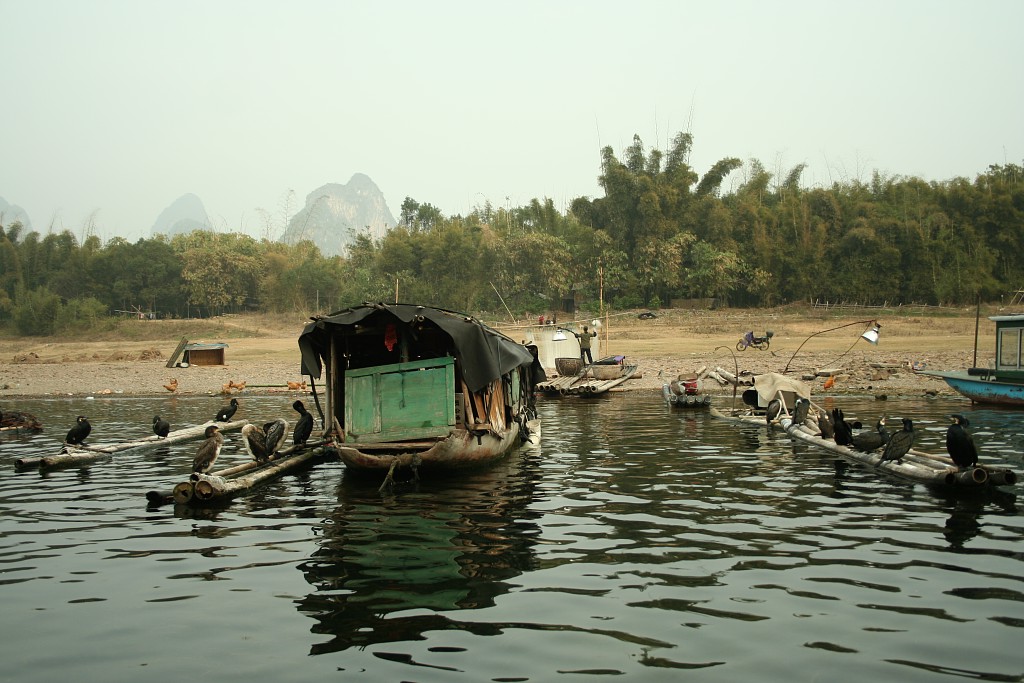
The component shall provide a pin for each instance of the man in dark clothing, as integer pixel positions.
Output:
(584, 339)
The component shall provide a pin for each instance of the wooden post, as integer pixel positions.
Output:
(177, 352)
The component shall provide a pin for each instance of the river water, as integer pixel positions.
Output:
(639, 540)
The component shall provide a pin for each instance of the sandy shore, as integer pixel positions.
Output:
(674, 344)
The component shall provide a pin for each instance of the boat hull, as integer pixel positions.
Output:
(461, 449)
(982, 390)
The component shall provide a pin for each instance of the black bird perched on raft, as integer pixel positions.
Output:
(79, 432)
(843, 430)
(262, 443)
(899, 443)
(161, 427)
(225, 413)
(15, 419)
(871, 440)
(825, 426)
(960, 444)
(304, 427)
(800, 409)
(772, 412)
(208, 450)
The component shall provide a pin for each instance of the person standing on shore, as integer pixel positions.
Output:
(584, 338)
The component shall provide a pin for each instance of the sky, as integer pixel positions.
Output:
(113, 109)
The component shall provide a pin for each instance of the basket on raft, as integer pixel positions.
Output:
(567, 367)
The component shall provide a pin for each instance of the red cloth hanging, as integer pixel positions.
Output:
(390, 336)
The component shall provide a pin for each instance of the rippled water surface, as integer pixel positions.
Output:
(638, 541)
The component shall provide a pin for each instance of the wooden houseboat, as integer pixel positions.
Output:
(418, 387)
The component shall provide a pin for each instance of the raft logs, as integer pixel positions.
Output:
(72, 456)
(916, 465)
(222, 485)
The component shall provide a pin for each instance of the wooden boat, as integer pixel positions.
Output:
(916, 465)
(72, 456)
(1002, 385)
(420, 387)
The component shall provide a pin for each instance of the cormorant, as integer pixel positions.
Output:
(79, 432)
(161, 427)
(304, 427)
(960, 444)
(843, 433)
(868, 440)
(825, 426)
(208, 450)
(772, 412)
(225, 413)
(262, 443)
(15, 419)
(800, 409)
(899, 443)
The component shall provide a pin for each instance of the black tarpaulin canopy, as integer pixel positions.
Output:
(484, 353)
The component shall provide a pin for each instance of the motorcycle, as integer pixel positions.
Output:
(759, 343)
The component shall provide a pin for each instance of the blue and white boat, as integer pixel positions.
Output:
(1004, 384)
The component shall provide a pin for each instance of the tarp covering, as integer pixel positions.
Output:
(770, 384)
(484, 353)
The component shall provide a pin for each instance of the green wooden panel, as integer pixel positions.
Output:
(362, 415)
(400, 401)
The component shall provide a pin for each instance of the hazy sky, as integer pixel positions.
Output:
(115, 108)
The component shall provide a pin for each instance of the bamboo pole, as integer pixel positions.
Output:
(77, 455)
(186, 491)
(207, 488)
(917, 465)
(182, 493)
(911, 470)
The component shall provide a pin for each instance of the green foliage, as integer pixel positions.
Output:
(658, 231)
(36, 312)
(82, 313)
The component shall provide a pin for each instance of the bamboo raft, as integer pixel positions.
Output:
(223, 485)
(691, 401)
(582, 385)
(917, 466)
(82, 455)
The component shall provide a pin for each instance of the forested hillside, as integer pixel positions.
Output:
(661, 231)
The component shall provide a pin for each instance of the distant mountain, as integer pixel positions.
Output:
(335, 213)
(186, 214)
(12, 212)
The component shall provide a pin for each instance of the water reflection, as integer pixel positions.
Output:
(967, 510)
(387, 570)
(640, 539)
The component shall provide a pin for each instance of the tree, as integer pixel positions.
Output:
(221, 271)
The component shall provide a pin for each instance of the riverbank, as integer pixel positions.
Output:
(264, 354)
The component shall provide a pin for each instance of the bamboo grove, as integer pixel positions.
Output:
(661, 231)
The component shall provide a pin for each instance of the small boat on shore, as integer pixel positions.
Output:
(420, 388)
(1002, 385)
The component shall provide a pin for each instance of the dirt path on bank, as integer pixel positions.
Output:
(675, 343)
